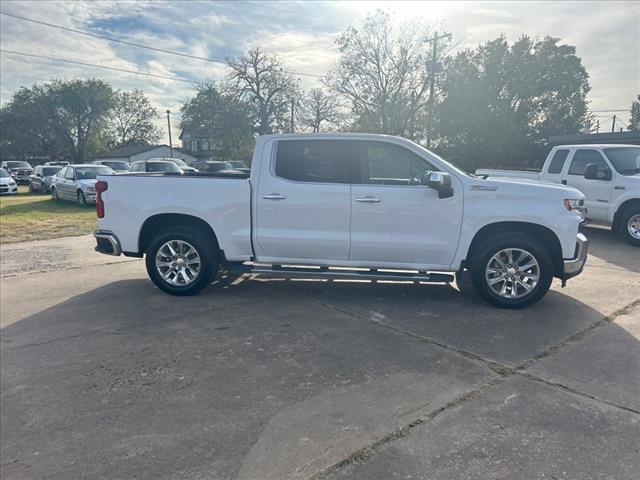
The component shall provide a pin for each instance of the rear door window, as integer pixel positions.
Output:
(557, 162)
(315, 161)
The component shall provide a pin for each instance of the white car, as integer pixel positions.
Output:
(348, 206)
(608, 176)
(77, 182)
(8, 185)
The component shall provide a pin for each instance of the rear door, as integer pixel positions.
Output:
(394, 217)
(303, 201)
(597, 192)
(553, 170)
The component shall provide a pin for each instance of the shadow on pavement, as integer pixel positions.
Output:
(611, 248)
(125, 381)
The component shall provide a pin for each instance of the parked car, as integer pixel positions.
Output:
(119, 166)
(60, 163)
(215, 166)
(374, 206)
(180, 164)
(8, 185)
(77, 182)
(155, 166)
(42, 178)
(240, 166)
(19, 170)
(608, 176)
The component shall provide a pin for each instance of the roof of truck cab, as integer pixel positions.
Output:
(330, 135)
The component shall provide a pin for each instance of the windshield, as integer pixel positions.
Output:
(4, 173)
(117, 165)
(178, 162)
(50, 171)
(162, 167)
(89, 173)
(18, 165)
(626, 160)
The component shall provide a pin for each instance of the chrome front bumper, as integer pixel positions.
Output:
(107, 243)
(575, 265)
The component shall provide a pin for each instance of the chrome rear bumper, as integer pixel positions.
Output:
(575, 265)
(107, 242)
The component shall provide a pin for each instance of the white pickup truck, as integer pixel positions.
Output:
(608, 175)
(348, 206)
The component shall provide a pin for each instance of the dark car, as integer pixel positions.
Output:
(18, 170)
(42, 177)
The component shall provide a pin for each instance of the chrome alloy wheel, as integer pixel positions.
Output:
(178, 263)
(634, 226)
(512, 273)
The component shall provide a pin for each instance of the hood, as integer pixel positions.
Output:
(6, 181)
(525, 186)
(87, 183)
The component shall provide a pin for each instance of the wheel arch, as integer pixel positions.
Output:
(632, 202)
(162, 221)
(541, 233)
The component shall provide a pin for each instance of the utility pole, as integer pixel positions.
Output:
(293, 103)
(598, 126)
(432, 82)
(613, 125)
(169, 128)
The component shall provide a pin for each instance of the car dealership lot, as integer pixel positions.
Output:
(104, 376)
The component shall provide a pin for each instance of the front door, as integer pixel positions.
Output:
(303, 208)
(597, 192)
(394, 218)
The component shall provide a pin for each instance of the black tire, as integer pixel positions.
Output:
(495, 244)
(81, 199)
(54, 193)
(43, 188)
(625, 219)
(206, 249)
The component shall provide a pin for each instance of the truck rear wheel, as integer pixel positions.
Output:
(630, 226)
(181, 261)
(511, 270)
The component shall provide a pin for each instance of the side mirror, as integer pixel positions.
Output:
(439, 181)
(593, 173)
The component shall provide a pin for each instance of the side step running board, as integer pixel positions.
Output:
(341, 273)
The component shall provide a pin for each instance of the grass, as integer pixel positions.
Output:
(27, 216)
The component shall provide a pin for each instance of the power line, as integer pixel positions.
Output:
(138, 45)
(24, 54)
(613, 111)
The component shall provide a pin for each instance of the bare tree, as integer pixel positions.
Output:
(261, 82)
(132, 120)
(318, 106)
(382, 73)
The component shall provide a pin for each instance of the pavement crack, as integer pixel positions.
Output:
(62, 339)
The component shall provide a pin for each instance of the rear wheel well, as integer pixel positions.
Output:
(545, 236)
(157, 223)
(633, 202)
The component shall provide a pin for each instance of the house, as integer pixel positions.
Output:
(144, 152)
(203, 148)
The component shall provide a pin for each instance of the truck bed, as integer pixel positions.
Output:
(221, 200)
(507, 173)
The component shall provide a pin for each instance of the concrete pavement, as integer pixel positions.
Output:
(103, 376)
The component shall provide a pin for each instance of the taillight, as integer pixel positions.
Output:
(101, 186)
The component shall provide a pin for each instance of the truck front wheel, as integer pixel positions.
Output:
(181, 261)
(511, 270)
(630, 225)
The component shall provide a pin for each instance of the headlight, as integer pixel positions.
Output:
(91, 189)
(575, 205)
(12, 183)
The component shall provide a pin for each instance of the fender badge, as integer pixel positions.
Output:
(484, 188)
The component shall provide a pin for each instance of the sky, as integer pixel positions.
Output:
(302, 34)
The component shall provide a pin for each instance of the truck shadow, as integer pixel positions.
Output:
(126, 377)
(611, 248)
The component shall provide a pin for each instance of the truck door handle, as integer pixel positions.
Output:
(564, 182)
(368, 199)
(274, 196)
